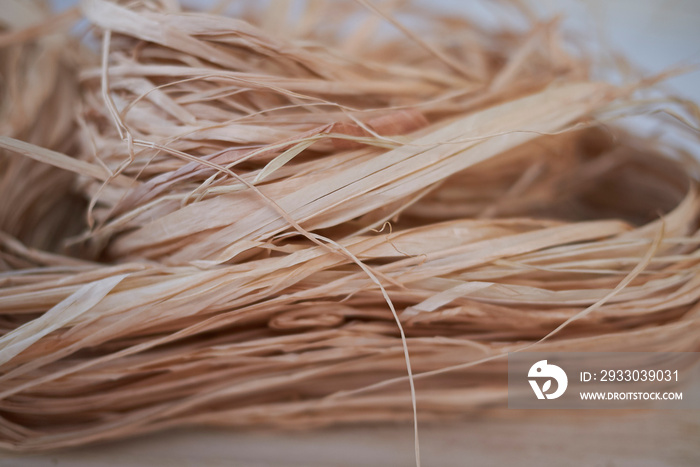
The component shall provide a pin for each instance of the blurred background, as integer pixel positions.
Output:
(654, 34)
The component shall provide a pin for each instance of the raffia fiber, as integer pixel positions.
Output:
(235, 220)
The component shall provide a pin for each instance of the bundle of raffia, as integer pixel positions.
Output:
(295, 217)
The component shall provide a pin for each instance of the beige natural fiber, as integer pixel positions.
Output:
(260, 218)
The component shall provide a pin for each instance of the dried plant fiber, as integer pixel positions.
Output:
(284, 219)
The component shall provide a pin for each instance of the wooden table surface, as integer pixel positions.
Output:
(496, 438)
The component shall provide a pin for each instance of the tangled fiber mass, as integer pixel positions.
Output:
(260, 218)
